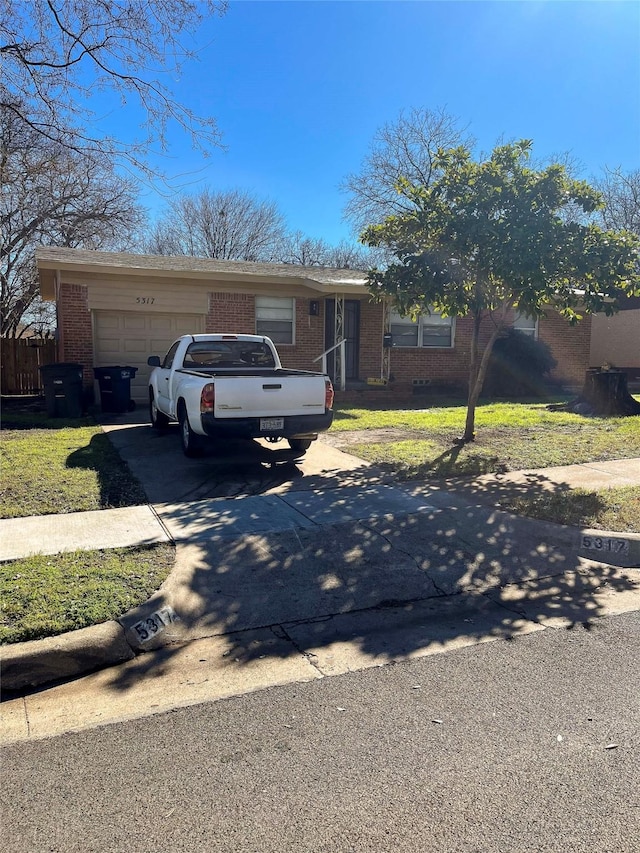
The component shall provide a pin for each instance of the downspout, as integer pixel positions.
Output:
(385, 362)
(59, 335)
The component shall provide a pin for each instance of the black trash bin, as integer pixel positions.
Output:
(63, 389)
(115, 388)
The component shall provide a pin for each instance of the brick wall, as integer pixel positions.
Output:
(75, 333)
(441, 366)
(236, 312)
(231, 312)
(309, 338)
(569, 345)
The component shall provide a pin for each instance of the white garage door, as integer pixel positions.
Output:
(128, 338)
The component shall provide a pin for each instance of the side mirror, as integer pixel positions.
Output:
(153, 361)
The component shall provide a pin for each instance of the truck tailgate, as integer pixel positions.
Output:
(260, 396)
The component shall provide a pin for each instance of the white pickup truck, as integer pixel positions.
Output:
(234, 386)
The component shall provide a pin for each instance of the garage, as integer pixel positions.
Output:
(129, 338)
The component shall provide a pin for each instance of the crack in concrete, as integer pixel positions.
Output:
(282, 634)
(26, 715)
(510, 608)
(411, 556)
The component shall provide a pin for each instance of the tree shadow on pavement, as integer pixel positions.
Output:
(479, 564)
(226, 469)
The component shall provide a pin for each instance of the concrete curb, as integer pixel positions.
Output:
(67, 655)
(37, 662)
(614, 549)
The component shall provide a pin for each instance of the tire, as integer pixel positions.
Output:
(158, 419)
(191, 442)
(299, 444)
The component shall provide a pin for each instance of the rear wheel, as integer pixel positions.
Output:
(299, 444)
(191, 442)
(158, 419)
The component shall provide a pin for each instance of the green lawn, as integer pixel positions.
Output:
(56, 467)
(418, 444)
(47, 595)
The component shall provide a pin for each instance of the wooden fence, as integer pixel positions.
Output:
(21, 362)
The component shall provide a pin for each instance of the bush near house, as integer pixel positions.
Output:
(520, 366)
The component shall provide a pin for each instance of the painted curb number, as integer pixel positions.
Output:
(155, 624)
(605, 543)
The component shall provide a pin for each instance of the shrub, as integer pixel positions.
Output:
(519, 366)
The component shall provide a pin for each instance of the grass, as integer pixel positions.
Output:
(419, 444)
(609, 509)
(509, 436)
(46, 595)
(53, 467)
(449, 417)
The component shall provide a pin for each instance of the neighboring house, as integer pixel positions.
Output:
(117, 309)
(616, 340)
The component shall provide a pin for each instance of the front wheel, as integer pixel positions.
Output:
(299, 444)
(158, 419)
(191, 442)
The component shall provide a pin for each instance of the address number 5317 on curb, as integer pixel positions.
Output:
(605, 543)
(154, 624)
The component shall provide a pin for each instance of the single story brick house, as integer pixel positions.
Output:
(117, 309)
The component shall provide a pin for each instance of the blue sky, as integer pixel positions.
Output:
(299, 89)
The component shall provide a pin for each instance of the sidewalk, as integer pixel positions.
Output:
(295, 557)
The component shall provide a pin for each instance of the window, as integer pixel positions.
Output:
(168, 359)
(429, 330)
(525, 324)
(274, 318)
(235, 354)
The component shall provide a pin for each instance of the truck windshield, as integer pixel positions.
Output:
(234, 354)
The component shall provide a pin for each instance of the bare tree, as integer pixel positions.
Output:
(621, 193)
(234, 225)
(402, 150)
(229, 225)
(53, 196)
(307, 251)
(56, 53)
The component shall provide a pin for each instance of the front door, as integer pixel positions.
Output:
(351, 332)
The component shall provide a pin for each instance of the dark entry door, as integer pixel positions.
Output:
(351, 328)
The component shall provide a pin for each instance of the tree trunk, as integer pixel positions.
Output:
(607, 393)
(475, 384)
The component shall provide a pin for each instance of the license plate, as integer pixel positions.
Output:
(271, 424)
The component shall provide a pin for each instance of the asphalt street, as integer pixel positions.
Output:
(531, 744)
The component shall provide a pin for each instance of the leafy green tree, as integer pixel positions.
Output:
(488, 237)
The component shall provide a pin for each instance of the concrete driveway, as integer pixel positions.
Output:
(227, 469)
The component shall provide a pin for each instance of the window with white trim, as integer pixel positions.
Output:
(428, 330)
(274, 318)
(525, 324)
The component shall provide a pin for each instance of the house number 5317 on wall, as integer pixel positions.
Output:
(145, 300)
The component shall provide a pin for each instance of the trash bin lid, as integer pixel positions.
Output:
(61, 368)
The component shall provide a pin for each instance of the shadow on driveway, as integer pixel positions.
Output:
(300, 582)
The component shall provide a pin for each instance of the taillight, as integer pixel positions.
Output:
(328, 394)
(207, 398)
